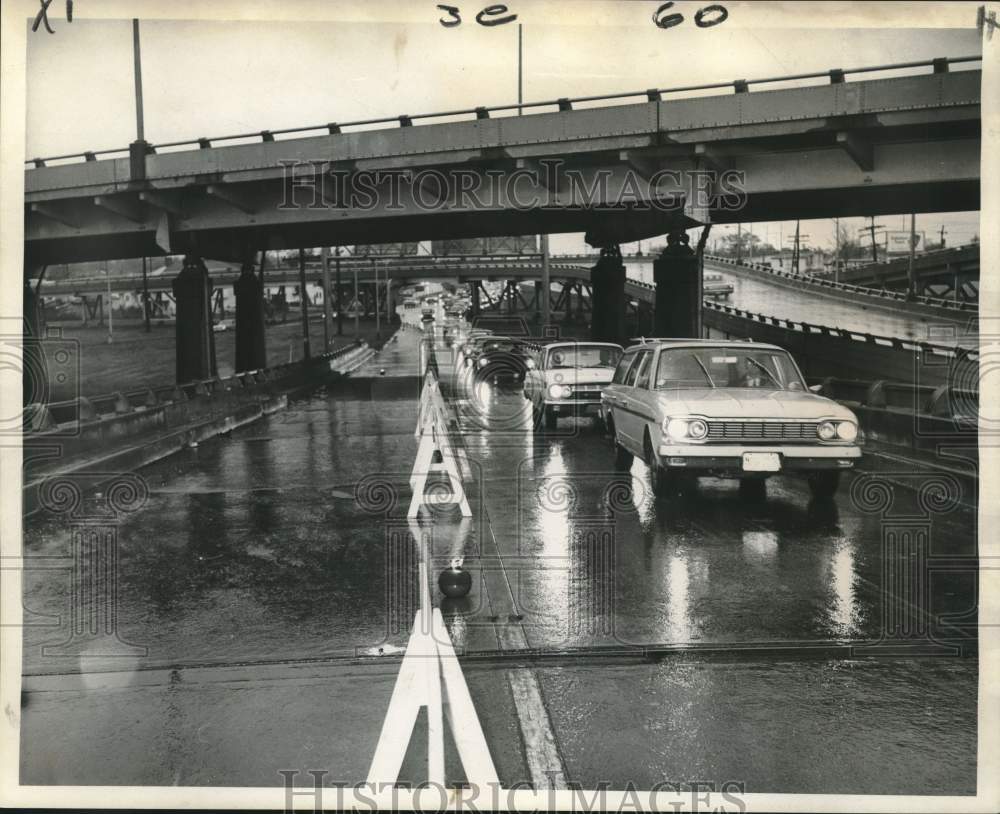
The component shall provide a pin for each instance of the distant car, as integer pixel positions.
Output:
(221, 325)
(568, 378)
(501, 359)
(470, 348)
(741, 410)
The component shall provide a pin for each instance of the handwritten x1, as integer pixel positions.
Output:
(43, 15)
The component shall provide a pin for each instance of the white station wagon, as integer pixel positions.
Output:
(728, 409)
(568, 379)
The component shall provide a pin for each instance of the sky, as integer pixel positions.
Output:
(215, 78)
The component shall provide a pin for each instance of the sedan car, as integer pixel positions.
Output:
(500, 359)
(729, 409)
(568, 378)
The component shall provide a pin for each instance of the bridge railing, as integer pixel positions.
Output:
(833, 76)
(895, 342)
(883, 294)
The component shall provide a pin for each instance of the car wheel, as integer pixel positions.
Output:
(551, 419)
(660, 479)
(824, 484)
(753, 490)
(623, 458)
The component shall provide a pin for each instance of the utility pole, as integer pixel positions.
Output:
(340, 298)
(111, 327)
(304, 304)
(739, 242)
(836, 250)
(546, 280)
(795, 251)
(145, 296)
(520, 69)
(327, 305)
(911, 283)
(870, 231)
(797, 240)
(356, 304)
(378, 315)
(943, 233)
(140, 134)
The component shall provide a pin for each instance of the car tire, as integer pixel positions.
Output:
(623, 458)
(662, 481)
(551, 419)
(753, 490)
(824, 484)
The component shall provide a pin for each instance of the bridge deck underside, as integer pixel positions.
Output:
(627, 172)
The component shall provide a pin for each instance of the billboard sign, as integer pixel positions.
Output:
(899, 242)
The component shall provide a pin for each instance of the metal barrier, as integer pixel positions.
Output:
(835, 76)
(38, 418)
(943, 401)
(883, 294)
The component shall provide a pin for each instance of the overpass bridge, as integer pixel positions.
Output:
(952, 272)
(618, 171)
(626, 171)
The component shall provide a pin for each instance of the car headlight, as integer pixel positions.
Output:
(847, 430)
(559, 391)
(678, 428)
(826, 431)
(697, 429)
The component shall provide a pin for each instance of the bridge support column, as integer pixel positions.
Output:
(678, 289)
(35, 374)
(607, 294)
(195, 340)
(474, 297)
(251, 352)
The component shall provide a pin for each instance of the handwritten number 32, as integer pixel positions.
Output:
(489, 16)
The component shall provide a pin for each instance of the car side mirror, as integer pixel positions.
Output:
(816, 388)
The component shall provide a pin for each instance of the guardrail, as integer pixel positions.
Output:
(942, 401)
(894, 342)
(833, 76)
(823, 351)
(70, 414)
(883, 294)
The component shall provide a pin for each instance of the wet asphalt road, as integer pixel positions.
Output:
(280, 544)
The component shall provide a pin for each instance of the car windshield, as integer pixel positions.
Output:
(764, 369)
(584, 356)
(500, 345)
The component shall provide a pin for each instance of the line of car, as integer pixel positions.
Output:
(686, 407)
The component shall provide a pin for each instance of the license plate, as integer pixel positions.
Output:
(761, 462)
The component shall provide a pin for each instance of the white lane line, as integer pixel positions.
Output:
(541, 752)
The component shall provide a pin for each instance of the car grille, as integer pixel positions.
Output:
(762, 430)
(587, 393)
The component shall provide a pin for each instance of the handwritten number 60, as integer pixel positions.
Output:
(703, 19)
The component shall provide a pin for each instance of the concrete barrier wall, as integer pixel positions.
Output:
(822, 351)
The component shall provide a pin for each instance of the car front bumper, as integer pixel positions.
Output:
(571, 405)
(721, 457)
